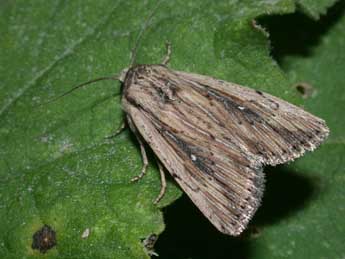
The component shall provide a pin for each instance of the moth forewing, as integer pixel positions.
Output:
(214, 136)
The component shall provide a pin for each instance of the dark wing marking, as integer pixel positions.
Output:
(269, 129)
(214, 136)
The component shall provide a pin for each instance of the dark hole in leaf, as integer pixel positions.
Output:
(44, 239)
(305, 89)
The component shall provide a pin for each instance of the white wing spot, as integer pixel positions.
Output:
(193, 157)
(241, 108)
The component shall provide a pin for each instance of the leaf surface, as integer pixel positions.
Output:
(57, 168)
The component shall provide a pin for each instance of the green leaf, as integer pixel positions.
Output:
(56, 167)
(315, 8)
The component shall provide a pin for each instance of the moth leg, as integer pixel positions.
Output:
(166, 59)
(118, 131)
(142, 150)
(145, 162)
(163, 184)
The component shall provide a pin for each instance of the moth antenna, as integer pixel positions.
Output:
(146, 25)
(80, 86)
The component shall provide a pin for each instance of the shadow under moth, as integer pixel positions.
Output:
(214, 137)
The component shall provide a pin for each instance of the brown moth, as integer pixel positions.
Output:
(214, 137)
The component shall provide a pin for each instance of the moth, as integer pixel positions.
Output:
(214, 137)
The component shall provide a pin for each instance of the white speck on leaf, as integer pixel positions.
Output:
(86, 233)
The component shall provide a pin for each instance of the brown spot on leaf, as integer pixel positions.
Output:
(44, 239)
